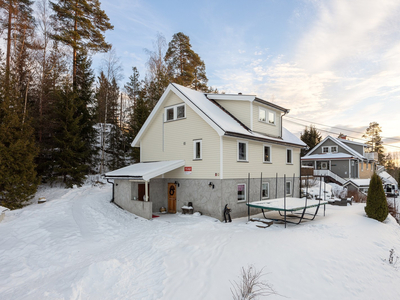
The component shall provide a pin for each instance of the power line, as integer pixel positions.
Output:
(387, 145)
(387, 138)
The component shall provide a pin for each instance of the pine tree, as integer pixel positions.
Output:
(312, 137)
(71, 151)
(81, 24)
(18, 181)
(372, 133)
(184, 65)
(377, 207)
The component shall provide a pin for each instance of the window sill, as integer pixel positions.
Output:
(241, 201)
(267, 162)
(264, 122)
(289, 163)
(168, 121)
(243, 161)
(197, 159)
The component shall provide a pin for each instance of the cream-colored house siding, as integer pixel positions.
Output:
(239, 109)
(269, 129)
(174, 140)
(255, 165)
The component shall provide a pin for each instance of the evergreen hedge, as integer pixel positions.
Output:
(377, 206)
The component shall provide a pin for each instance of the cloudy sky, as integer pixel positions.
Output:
(333, 63)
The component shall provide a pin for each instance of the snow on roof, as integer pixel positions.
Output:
(327, 156)
(359, 182)
(145, 170)
(352, 142)
(2, 208)
(228, 123)
(387, 178)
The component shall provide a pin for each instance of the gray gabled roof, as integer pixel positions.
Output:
(339, 143)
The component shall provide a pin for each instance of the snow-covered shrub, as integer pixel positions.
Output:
(250, 285)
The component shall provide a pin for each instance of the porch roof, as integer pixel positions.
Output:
(145, 170)
(327, 156)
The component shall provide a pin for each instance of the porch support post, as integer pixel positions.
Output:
(146, 190)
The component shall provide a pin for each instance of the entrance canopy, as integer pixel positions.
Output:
(145, 170)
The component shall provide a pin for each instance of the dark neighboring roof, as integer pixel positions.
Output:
(271, 104)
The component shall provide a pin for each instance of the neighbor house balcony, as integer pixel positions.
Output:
(372, 156)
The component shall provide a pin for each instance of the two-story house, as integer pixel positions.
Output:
(341, 160)
(209, 150)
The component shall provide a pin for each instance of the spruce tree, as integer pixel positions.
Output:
(18, 181)
(312, 137)
(70, 149)
(184, 65)
(377, 206)
(81, 24)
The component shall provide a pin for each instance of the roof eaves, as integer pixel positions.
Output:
(271, 104)
(260, 139)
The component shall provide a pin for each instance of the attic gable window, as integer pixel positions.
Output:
(175, 112)
(334, 149)
(325, 149)
(267, 116)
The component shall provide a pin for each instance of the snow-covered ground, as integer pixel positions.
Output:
(79, 246)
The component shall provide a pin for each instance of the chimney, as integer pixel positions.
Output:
(239, 93)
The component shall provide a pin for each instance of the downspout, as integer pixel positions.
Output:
(286, 112)
(112, 200)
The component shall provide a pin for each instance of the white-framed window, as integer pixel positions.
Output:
(175, 112)
(271, 117)
(289, 156)
(242, 151)
(267, 154)
(197, 149)
(265, 190)
(262, 114)
(241, 192)
(334, 149)
(288, 188)
(266, 115)
(325, 149)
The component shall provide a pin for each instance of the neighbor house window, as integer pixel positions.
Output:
(241, 192)
(242, 151)
(197, 149)
(288, 187)
(325, 149)
(267, 154)
(265, 190)
(334, 149)
(262, 115)
(289, 158)
(271, 117)
(175, 112)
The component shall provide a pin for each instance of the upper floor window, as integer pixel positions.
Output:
(197, 149)
(267, 116)
(175, 112)
(289, 156)
(334, 149)
(242, 151)
(267, 154)
(325, 149)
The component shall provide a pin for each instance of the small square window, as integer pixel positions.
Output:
(170, 114)
(289, 158)
(197, 149)
(288, 187)
(267, 154)
(241, 192)
(271, 117)
(325, 149)
(242, 151)
(180, 112)
(265, 190)
(262, 115)
(334, 149)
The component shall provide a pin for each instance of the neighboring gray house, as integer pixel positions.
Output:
(199, 148)
(340, 160)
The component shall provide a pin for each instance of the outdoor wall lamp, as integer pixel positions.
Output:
(177, 183)
(211, 184)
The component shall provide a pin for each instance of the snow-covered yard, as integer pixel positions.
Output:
(79, 246)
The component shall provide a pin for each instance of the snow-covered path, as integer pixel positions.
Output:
(79, 246)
